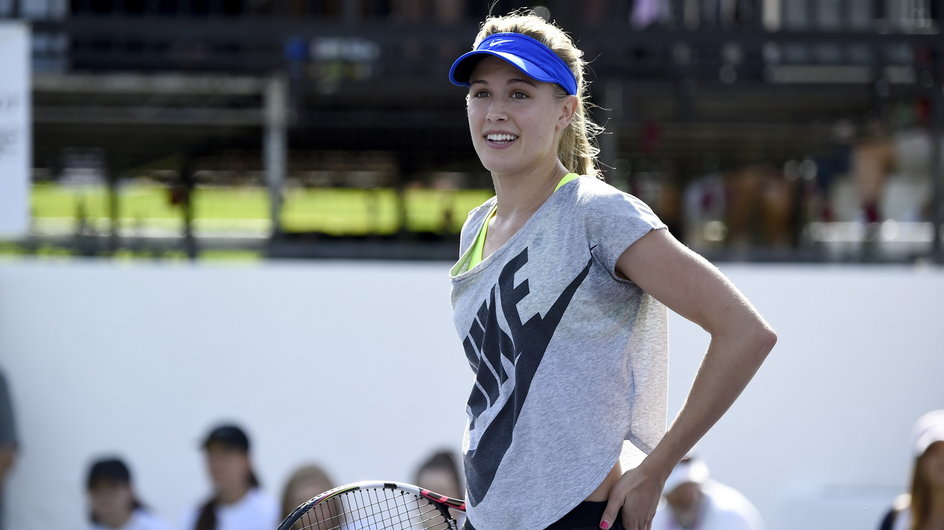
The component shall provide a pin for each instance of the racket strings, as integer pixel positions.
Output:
(374, 509)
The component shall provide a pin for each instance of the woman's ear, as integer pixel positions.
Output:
(568, 110)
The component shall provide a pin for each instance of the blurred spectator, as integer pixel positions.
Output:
(923, 507)
(647, 12)
(112, 501)
(8, 439)
(872, 159)
(889, 162)
(237, 503)
(695, 502)
(305, 483)
(440, 473)
(909, 197)
(833, 163)
(760, 203)
(704, 203)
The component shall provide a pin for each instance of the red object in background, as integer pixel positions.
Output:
(651, 137)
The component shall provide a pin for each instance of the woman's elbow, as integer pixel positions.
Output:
(764, 339)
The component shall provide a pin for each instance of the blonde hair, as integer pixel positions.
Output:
(303, 474)
(577, 149)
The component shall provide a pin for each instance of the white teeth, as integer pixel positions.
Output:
(501, 137)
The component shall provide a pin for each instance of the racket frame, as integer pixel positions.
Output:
(442, 502)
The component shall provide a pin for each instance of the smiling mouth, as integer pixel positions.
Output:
(500, 138)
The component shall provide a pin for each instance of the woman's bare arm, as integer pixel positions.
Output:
(740, 341)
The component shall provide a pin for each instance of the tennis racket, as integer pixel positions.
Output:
(375, 506)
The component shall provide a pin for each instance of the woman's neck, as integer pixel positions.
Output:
(119, 521)
(232, 496)
(524, 193)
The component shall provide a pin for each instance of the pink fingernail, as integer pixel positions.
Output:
(604, 525)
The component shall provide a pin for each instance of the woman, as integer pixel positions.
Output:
(923, 508)
(440, 473)
(112, 501)
(305, 483)
(559, 298)
(237, 502)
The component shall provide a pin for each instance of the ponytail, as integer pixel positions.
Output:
(207, 518)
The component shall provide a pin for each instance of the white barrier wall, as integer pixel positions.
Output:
(15, 128)
(320, 361)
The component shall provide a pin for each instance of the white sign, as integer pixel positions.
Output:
(15, 128)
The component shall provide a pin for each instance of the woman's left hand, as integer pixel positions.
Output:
(637, 493)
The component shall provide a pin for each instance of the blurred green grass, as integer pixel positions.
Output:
(335, 211)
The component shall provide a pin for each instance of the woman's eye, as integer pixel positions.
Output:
(518, 95)
(480, 94)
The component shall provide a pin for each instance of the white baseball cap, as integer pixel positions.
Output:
(928, 430)
(689, 470)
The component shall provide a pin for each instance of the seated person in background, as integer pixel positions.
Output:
(440, 473)
(237, 502)
(923, 508)
(305, 483)
(112, 501)
(694, 502)
(872, 158)
(759, 204)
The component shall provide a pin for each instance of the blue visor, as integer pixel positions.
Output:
(526, 54)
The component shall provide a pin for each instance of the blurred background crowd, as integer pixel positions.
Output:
(757, 129)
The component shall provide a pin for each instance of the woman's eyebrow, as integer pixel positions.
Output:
(525, 81)
(510, 81)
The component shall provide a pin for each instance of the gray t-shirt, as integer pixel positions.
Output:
(569, 359)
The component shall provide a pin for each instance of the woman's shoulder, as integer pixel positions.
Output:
(262, 501)
(590, 188)
(474, 221)
(601, 200)
(482, 209)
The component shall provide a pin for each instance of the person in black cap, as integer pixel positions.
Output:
(112, 501)
(237, 502)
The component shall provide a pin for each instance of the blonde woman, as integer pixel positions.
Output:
(306, 482)
(559, 299)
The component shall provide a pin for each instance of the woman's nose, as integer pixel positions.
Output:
(496, 112)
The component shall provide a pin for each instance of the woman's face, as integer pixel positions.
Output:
(306, 489)
(932, 465)
(441, 481)
(515, 121)
(228, 467)
(685, 498)
(111, 502)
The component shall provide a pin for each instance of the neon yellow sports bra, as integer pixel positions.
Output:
(479, 246)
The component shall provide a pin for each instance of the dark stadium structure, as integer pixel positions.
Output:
(175, 84)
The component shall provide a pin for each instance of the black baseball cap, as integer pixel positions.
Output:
(229, 436)
(108, 469)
